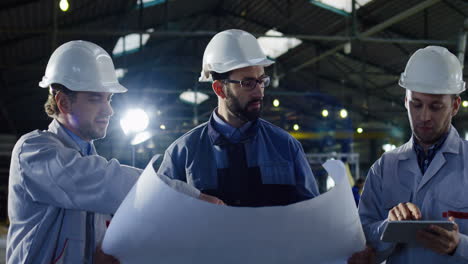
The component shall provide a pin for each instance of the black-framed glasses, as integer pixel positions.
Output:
(250, 84)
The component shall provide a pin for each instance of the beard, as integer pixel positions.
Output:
(243, 113)
(88, 130)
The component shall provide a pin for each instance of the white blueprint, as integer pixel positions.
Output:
(156, 224)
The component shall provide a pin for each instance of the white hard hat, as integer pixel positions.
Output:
(229, 50)
(433, 70)
(82, 66)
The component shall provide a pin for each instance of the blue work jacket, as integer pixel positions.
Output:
(275, 160)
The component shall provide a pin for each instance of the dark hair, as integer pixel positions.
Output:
(220, 76)
(50, 106)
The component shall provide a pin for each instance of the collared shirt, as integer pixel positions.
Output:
(275, 154)
(424, 160)
(231, 133)
(85, 146)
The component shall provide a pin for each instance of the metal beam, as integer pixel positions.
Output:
(182, 34)
(380, 27)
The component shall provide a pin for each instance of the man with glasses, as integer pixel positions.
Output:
(236, 156)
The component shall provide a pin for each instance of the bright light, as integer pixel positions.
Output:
(388, 147)
(345, 5)
(296, 127)
(134, 121)
(64, 5)
(120, 72)
(276, 103)
(330, 183)
(324, 112)
(274, 47)
(130, 43)
(359, 130)
(347, 48)
(141, 137)
(343, 113)
(466, 135)
(465, 103)
(189, 97)
(162, 126)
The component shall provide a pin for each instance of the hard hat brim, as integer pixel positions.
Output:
(205, 75)
(111, 88)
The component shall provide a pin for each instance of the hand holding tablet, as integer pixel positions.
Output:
(405, 231)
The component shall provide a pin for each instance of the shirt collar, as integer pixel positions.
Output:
(420, 150)
(229, 132)
(85, 146)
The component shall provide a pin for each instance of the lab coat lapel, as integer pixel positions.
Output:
(450, 145)
(408, 169)
(434, 167)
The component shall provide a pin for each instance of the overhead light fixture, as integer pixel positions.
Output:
(134, 121)
(388, 147)
(465, 103)
(343, 113)
(148, 3)
(192, 97)
(276, 103)
(342, 7)
(130, 43)
(120, 72)
(324, 112)
(64, 5)
(359, 130)
(141, 137)
(347, 48)
(162, 127)
(276, 45)
(296, 127)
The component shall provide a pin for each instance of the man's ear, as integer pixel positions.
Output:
(456, 105)
(63, 103)
(218, 88)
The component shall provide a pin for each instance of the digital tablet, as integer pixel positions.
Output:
(405, 231)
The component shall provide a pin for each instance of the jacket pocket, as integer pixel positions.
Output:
(455, 201)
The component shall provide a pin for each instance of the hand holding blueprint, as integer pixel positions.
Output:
(156, 224)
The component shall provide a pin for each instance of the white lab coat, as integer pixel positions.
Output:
(51, 187)
(396, 178)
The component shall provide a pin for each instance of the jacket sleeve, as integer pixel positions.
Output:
(54, 174)
(174, 175)
(305, 180)
(462, 249)
(373, 214)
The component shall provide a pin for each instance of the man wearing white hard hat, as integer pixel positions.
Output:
(426, 178)
(61, 192)
(237, 156)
